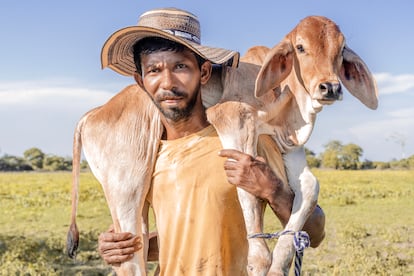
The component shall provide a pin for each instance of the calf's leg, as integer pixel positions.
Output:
(306, 189)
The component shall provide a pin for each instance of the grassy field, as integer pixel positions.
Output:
(369, 225)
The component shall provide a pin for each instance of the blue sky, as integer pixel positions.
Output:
(50, 71)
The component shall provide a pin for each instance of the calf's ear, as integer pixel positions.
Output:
(357, 79)
(276, 67)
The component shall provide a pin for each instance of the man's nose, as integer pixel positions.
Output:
(167, 80)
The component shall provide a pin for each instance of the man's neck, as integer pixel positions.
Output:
(182, 128)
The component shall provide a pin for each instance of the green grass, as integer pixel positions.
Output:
(369, 224)
(35, 215)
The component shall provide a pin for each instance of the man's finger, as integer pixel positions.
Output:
(115, 237)
(230, 164)
(120, 251)
(232, 154)
(116, 260)
(133, 244)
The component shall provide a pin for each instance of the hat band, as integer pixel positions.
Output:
(184, 35)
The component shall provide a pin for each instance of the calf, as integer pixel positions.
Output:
(120, 142)
(278, 92)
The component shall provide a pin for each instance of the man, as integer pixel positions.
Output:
(199, 220)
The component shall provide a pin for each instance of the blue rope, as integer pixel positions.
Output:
(300, 241)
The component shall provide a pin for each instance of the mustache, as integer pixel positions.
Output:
(170, 95)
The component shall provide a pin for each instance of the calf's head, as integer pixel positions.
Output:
(315, 55)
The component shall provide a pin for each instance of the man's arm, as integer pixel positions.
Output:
(257, 178)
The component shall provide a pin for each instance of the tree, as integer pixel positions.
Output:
(311, 159)
(330, 159)
(84, 165)
(367, 165)
(14, 163)
(34, 156)
(56, 163)
(334, 145)
(350, 156)
(332, 154)
(379, 165)
(339, 156)
(411, 161)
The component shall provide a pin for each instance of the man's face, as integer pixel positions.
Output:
(173, 81)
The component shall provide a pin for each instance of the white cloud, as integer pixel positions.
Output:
(383, 128)
(379, 138)
(390, 84)
(50, 95)
(44, 114)
(403, 113)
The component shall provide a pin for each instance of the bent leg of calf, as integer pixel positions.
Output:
(306, 189)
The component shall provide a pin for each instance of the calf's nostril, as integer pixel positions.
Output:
(325, 87)
(330, 90)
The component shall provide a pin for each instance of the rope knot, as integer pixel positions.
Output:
(301, 241)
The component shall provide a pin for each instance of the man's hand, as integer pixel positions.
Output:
(251, 174)
(116, 248)
(257, 178)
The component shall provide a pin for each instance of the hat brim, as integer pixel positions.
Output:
(117, 51)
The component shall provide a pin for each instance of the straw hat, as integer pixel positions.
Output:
(170, 23)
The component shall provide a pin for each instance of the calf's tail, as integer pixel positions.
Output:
(72, 240)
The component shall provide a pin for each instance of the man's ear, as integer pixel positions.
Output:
(205, 69)
(138, 79)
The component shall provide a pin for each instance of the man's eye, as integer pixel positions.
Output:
(153, 70)
(181, 66)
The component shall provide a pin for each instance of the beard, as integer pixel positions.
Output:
(177, 114)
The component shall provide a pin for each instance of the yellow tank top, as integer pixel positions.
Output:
(198, 216)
